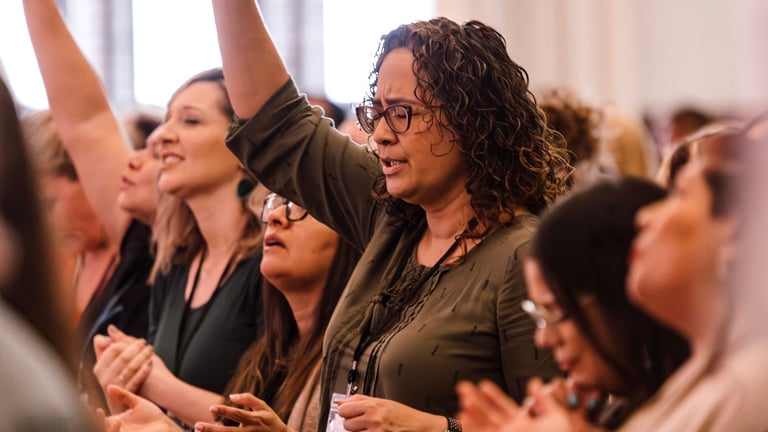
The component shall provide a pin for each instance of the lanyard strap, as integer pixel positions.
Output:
(182, 343)
(382, 298)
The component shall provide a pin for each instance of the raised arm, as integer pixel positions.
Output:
(88, 128)
(253, 68)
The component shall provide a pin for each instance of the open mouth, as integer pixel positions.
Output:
(171, 159)
(389, 163)
(273, 241)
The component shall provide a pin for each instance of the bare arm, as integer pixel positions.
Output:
(119, 356)
(253, 68)
(88, 128)
(188, 403)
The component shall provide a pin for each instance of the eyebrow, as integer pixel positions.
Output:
(182, 109)
(191, 108)
(396, 101)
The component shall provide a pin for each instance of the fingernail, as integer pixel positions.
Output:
(573, 400)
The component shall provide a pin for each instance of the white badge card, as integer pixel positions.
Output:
(335, 421)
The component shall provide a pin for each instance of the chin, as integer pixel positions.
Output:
(582, 380)
(402, 195)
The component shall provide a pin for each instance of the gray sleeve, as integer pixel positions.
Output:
(295, 152)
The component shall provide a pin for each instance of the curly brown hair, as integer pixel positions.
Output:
(511, 155)
(576, 121)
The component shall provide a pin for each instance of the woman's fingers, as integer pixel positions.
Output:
(117, 363)
(134, 383)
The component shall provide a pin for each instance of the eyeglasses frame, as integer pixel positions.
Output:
(288, 204)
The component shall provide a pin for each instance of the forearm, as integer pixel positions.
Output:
(252, 66)
(88, 128)
(188, 403)
(65, 70)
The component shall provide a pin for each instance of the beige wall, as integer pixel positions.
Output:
(636, 53)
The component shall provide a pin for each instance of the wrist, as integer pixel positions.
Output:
(453, 425)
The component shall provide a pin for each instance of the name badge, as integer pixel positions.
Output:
(335, 421)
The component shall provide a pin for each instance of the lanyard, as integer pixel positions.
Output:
(381, 299)
(182, 344)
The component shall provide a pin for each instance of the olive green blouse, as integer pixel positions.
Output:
(463, 323)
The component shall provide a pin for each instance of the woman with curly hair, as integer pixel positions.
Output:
(442, 208)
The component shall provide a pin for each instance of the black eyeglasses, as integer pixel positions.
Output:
(398, 117)
(273, 201)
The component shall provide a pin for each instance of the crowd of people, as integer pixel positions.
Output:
(469, 256)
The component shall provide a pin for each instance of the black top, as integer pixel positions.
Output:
(216, 334)
(124, 301)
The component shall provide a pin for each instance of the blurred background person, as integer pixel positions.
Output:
(104, 192)
(36, 350)
(580, 125)
(615, 355)
(681, 272)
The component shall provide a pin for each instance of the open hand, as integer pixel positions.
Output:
(256, 417)
(140, 415)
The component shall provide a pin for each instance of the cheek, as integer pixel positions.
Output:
(570, 336)
(148, 173)
(147, 188)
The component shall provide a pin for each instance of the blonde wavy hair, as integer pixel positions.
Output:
(175, 234)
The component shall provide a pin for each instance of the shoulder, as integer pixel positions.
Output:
(510, 243)
(27, 366)
(250, 267)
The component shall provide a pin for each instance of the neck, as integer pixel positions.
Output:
(147, 218)
(447, 220)
(304, 304)
(221, 219)
(702, 325)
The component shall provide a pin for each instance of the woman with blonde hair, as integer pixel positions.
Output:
(206, 295)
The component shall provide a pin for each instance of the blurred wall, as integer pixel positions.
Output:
(636, 54)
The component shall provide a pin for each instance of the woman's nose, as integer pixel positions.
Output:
(545, 337)
(136, 160)
(643, 215)
(383, 134)
(277, 216)
(160, 138)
